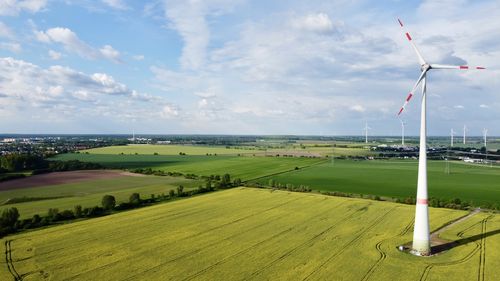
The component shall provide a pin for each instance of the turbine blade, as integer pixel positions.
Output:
(410, 95)
(408, 36)
(462, 67)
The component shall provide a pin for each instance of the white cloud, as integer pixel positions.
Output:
(189, 18)
(26, 85)
(11, 46)
(5, 31)
(69, 40)
(138, 57)
(169, 111)
(358, 108)
(110, 53)
(73, 44)
(55, 55)
(14, 7)
(319, 22)
(458, 106)
(84, 95)
(116, 4)
(483, 106)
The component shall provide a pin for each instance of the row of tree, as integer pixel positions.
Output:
(454, 203)
(10, 223)
(37, 164)
(217, 181)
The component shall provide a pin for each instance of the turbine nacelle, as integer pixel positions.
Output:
(425, 67)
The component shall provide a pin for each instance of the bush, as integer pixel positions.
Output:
(9, 217)
(108, 202)
(67, 215)
(36, 219)
(135, 199)
(95, 211)
(78, 211)
(180, 191)
(53, 214)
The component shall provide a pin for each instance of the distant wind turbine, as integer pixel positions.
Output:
(421, 238)
(403, 123)
(366, 132)
(465, 129)
(485, 133)
(452, 133)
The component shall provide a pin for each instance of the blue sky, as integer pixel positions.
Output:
(244, 67)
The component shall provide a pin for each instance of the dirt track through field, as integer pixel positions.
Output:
(57, 178)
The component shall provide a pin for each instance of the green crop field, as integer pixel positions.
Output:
(90, 192)
(150, 149)
(254, 234)
(479, 184)
(238, 167)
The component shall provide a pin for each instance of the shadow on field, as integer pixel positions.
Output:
(447, 246)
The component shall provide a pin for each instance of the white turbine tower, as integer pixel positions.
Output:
(403, 123)
(421, 238)
(452, 133)
(485, 132)
(366, 128)
(465, 129)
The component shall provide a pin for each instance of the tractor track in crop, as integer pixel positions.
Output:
(480, 247)
(482, 254)
(259, 243)
(10, 262)
(162, 216)
(354, 240)
(383, 255)
(225, 259)
(240, 252)
(170, 216)
(198, 234)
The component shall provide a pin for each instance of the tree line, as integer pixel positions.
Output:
(10, 222)
(453, 203)
(15, 163)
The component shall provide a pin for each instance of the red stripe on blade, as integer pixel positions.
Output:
(401, 110)
(408, 36)
(400, 22)
(480, 67)
(409, 97)
(422, 201)
(464, 67)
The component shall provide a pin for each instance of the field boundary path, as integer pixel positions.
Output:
(287, 171)
(436, 241)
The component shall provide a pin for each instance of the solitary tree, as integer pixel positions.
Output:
(180, 190)
(135, 199)
(78, 211)
(9, 217)
(108, 202)
(226, 180)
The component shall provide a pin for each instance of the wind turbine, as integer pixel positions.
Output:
(485, 132)
(465, 129)
(403, 123)
(421, 238)
(452, 133)
(366, 128)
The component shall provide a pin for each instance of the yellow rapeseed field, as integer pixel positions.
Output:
(254, 234)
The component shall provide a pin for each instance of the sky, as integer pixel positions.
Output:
(245, 67)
